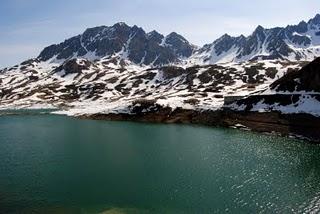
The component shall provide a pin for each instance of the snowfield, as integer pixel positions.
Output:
(110, 85)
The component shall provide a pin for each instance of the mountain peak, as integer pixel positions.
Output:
(225, 36)
(259, 29)
(120, 25)
(155, 35)
(154, 32)
(302, 23)
(242, 36)
(315, 20)
(137, 29)
(317, 16)
(174, 34)
(176, 37)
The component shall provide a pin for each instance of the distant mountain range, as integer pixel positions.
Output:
(294, 42)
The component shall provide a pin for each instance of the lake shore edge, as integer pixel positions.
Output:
(299, 125)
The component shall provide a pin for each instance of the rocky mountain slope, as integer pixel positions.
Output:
(296, 92)
(131, 43)
(306, 80)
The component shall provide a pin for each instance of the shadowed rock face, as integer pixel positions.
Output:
(306, 79)
(279, 99)
(132, 43)
(179, 45)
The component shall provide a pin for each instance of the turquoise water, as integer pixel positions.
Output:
(57, 164)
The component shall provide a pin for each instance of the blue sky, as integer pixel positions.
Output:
(26, 26)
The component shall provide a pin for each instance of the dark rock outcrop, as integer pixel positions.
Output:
(307, 79)
(303, 126)
(73, 66)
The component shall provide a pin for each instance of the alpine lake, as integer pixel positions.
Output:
(57, 164)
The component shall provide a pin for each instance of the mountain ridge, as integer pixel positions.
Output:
(129, 42)
(293, 42)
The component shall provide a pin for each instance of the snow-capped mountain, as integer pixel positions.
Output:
(294, 42)
(122, 72)
(131, 43)
(106, 68)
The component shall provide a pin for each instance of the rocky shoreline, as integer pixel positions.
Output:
(301, 126)
(298, 125)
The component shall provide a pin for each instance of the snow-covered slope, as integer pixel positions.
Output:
(105, 85)
(296, 92)
(294, 42)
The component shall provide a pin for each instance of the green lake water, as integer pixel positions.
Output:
(57, 164)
